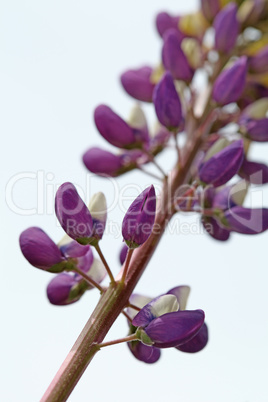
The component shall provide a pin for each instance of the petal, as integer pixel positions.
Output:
(72, 213)
(123, 254)
(156, 308)
(246, 220)
(98, 210)
(214, 229)
(174, 329)
(139, 219)
(137, 83)
(182, 293)
(73, 249)
(197, 343)
(144, 353)
(138, 301)
(38, 248)
(59, 290)
(102, 162)
(254, 172)
(226, 28)
(165, 21)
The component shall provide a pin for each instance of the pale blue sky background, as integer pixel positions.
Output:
(59, 59)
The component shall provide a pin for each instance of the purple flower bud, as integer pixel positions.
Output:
(167, 103)
(226, 28)
(223, 165)
(197, 343)
(73, 214)
(173, 57)
(64, 289)
(230, 84)
(144, 353)
(214, 229)
(254, 172)
(165, 21)
(159, 140)
(210, 8)
(176, 328)
(139, 219)
(38, 248)
(114, 129)
(137, 83)
(259, 62)
(102, 162)
(257, 129)
(246, 220)
(123, 254)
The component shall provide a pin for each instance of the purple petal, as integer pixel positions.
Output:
(137, 83)
(165, 21)
(257, 129)
(72, 213)
(210, 8)
(114, 129)
(259, 62)
(144, 353)
(59, 290)
(254, 172)
(174, 329)
(139, 219)
(214, 229)
(246, 220)
(197, 343)
(226, 28)
(223, 165)
(38, 248)
(102, 162)
(85, 261)
(167, 103)
(73, 249)
(123, 254)
(173, 57)
(231, 82)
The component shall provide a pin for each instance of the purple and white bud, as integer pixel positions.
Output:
(139, 220)
(173, 57)
(226, 28)
(98, 210)
(64, 289)
(138, 84)
(223, 165)
(254, 121)
(231, 82)
(167, 103)
(38, 248)
(73, 214)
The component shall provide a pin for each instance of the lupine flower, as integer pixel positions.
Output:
(150, 354)
(67, 288)
(226, 28)
(165, 21)
(167, 103)
(139, 219)
(246, 220)
(114, 129)
(161, 324)
(230, 84)
(210, 8)
(73, 214)
(38, 248)
(259, 62)
(222, 166)
(105, 163)
(138, 84)
(173, 57)
(98, 210)
(254, 172)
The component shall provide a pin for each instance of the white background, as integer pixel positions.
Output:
(59, 60)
